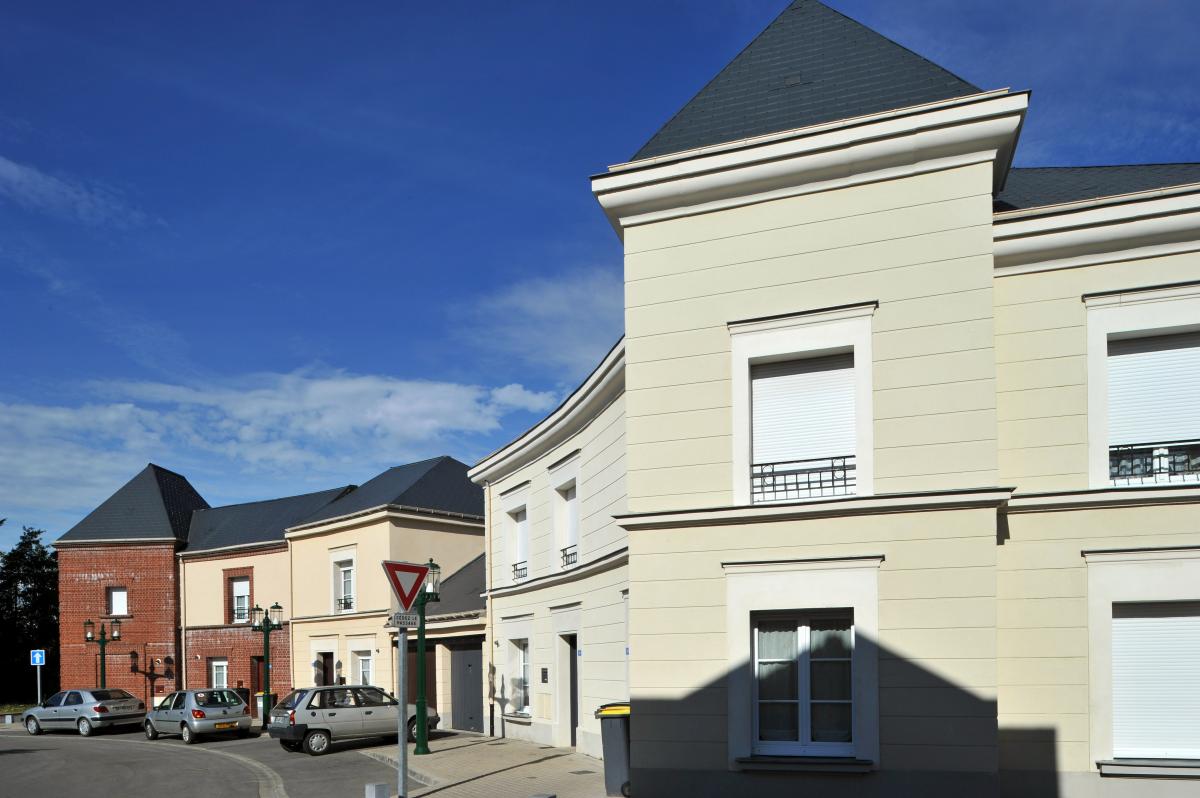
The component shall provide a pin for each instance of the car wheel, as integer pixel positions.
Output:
(316, 742)
(412, 730)
(151, 732)
(186, 734)
(242, 734)
(32, 726)
(85, 727)
(290, 745)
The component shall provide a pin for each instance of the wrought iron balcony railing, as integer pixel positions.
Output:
(570, 556)
(802, 479)
(345, 603)
(1154, 463)
(241, 614)
(520, 569)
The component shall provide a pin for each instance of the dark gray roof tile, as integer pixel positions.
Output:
(1032, 187)
(156, 504)
(439, 483)
(255, 522)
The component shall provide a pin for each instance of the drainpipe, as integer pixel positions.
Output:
(181, 666)
(487, 603)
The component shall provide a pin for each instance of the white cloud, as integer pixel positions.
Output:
(256, 437)
(93, 205)
(561, 325)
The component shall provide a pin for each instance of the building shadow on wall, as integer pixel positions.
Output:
(936, 738)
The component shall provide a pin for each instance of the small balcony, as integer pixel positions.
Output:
(344, 603)
(570, 556)
(520, 569)
(793, 480)
(241, 614)
(1164, 463)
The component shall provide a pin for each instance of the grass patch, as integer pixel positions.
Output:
(13, 709)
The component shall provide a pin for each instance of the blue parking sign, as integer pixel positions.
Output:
(37, 656)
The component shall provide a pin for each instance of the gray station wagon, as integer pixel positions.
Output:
(311, 718)
(84, 711)
(191, 713)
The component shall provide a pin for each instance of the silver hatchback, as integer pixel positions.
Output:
(309, 719)
(84, 711)
(191, 713)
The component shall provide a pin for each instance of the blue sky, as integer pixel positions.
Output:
(282, 246)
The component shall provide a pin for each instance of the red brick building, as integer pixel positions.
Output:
(119, 564)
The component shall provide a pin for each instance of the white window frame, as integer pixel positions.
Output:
(1130, 314)
(341, 560)
(234, 596)
(802, 586)
(361, 674)
(796, 336)
(564, 477)
(803, 747)
(111, 604)
(223, 665)
(1120, 577)
(522, 668)
(512, 503)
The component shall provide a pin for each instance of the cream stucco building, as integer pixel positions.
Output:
(557, 577)
(907, 449)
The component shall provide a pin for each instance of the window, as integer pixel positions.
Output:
(343, 585)
(373, 697)
(803, 695)
(117, 601)
(73, 698)
(363, 671)
(802, 405)
(218, 672)
(1143, 368)
(519, 530)
(803, 431)
(567, 511)
(1155, 680)
(520, 682)
(1153, 416)
(240, 591)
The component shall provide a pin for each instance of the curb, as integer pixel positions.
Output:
(424, 779)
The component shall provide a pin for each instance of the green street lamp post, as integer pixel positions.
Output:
(433, 584)
(89, 636)
(266, 622)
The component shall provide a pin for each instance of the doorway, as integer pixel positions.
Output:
(325, 668)
(466, 687)
(256, 683)
(571, 645)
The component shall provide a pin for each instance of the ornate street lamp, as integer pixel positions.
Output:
(89, 636)
(266, 622)
(433, 586)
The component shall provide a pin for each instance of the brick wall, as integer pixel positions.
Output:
(239, 645)
(144, 661)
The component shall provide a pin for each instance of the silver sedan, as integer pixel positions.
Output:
(191, 713)
(84, 711)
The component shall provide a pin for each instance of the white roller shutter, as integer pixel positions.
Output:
(1156, 680)
(803, 409)
(1152, 388)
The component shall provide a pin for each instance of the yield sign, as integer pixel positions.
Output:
(406, 579)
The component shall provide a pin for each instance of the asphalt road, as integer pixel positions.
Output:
(126, 764)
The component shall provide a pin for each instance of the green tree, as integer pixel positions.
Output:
(28, 615)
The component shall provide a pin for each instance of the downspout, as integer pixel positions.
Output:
(487, 603)
(181, 682)
(291, 626)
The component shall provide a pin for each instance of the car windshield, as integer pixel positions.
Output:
(110, 695)
(292, 699)
(217, 698)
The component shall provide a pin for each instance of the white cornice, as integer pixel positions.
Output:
(603, 385)
(877, 147)
(1146, 224)
(1101, 498)
(822, 508)
(606, 563)
(384, 512)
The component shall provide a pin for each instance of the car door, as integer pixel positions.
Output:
(48, 713)
(70, 712)
(158, 715)
(341, 713)
(379, 712)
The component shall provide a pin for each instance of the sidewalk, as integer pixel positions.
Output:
(469, 765)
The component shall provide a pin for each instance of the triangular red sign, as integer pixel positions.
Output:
(406, 579)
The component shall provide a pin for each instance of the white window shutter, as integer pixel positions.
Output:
(803, 409)
(1156, 680)
(1152, 388)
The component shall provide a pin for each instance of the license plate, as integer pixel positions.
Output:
(226, 726)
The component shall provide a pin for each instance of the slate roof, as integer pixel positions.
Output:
(155, 504)
(255, 522)
(1030, 187)
(439, 483)
(462, 591)
(811, 65)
